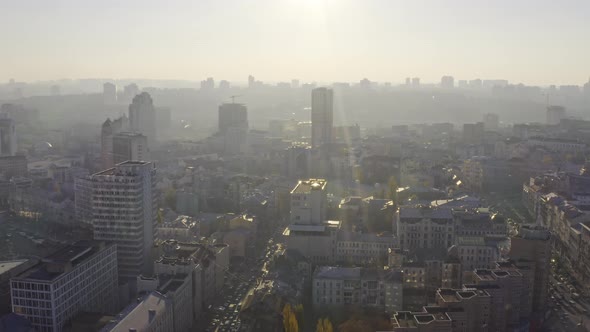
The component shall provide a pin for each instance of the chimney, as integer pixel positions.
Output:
(151, 315)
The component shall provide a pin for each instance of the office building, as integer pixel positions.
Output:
(555, 114)
(530, 250)
(109, 93)
(322, 116)
(124, 208)
(79, 277)
(309, 201)
(142, 117)
(447, 82)
(232, 115)
(7, 137)
(130, 146)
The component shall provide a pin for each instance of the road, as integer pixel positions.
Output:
(222, 316)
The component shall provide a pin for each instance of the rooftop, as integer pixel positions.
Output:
(6, 266)
(62, 261)
(334, 272)
(306, 186)
(137, 315)
(424, 212)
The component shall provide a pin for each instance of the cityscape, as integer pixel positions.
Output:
(259, 205)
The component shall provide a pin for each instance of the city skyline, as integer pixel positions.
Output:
(311, 40)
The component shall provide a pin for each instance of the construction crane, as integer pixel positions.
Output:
(233, 98)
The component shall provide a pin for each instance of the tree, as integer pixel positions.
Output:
(324, 325)
(289, 319)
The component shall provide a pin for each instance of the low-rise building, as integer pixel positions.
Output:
(424, 227)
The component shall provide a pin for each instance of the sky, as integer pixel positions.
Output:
(535, 42)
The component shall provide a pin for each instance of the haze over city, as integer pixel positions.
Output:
(294, 165)
(533, 42)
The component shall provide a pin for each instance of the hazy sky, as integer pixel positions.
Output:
(530, 41)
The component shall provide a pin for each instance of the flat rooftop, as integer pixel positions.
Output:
(6, 266)
(306, 186)
(56, 264)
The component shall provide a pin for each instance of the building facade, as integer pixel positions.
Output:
(79, 277)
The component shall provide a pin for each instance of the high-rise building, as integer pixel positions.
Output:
(79, 277)
(108, 130)
(130, 146)
(447, 82)
(491, 122)
(224, 85)
(251, 81)
(124, 208)
(109, 93)
(208, 84)
(322, 116)
(130, 91)
(309, 201)
(473, 133)
(530, 250)
(232, 115)
(555, 114)
(142, 116)
(408, 81)
(416, 82)
(7, 137)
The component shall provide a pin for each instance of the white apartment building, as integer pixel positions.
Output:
(424, 227)
(309, 200)
(477, 252)
(79, 277)
(363, 287)
(124, 209)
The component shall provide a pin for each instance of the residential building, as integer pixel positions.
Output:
(108, 130)
(530, 250)
(447, 82)
(469, 310)
(555, 114)
(130, 146)
(363, 248)
(109, 93)
(479, 222)
(316, 242)
(124, 209)
(476, 252)
(431, 319)
(309, 202)
(473, 133)
(79, 277)
(355, 286)
(491, 122)
(322, 116)
(183, 229)
(424, 227)
(232, 115)
(142, 117)
(7, 136)
(13, 166)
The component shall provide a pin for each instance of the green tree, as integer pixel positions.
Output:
(324, 325)
(290, 323)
